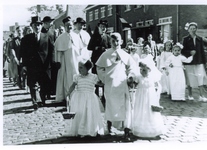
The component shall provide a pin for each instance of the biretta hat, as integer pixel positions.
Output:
(35, 19)
(80, 20)
(47, 19)
(103, 22)
(66, 19)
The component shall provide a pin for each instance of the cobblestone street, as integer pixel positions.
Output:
(186, 122)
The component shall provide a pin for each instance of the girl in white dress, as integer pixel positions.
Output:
(174, 63)
(85, 103)
(147, 119)
(165, 83)
(146, 54)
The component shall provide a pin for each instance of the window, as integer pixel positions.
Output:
(166, 20)
(137, 6)
(91, 16)
(127, 8)
(165, 32)
(165, 28)
(140, 24)
(96, 14)
(102, 12)
(149, 22)
(109, 10)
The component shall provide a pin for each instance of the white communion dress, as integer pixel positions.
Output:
(146, 123)
(85, 103)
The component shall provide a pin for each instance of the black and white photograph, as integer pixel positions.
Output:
(106, 74)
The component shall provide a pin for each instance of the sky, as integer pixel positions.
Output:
(16, 13)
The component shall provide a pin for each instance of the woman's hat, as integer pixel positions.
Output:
(103, 22)
(47, 19)
(35, 19)
(80, 20)
(187, 25)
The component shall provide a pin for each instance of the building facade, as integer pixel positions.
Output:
(73, 11)
(162, 21)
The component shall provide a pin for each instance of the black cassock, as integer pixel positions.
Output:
(100, 41)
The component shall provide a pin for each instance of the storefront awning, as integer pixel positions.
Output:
(134, 28)
(125, 24)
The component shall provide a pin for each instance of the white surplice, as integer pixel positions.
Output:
(113, 68)
(80, 40)
(68, 56)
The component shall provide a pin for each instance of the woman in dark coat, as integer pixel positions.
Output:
(99, 43)
(195, 71)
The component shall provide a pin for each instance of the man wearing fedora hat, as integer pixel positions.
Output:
(47, 23)
(81, 37)
(46, 28)
(99, 42)
(37, 57)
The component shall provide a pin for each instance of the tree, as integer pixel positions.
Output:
(33, 9)
(59, 8)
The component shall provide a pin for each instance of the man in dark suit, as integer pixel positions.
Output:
(37, 57)
(152, 45)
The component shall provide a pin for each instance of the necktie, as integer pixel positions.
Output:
(36, 37)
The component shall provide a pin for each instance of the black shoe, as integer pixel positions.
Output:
(35, 105)
(40, 104)
(48, 96)
(127, 137)
(23, 88)
(109, 124)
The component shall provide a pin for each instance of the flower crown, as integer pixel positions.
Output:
(171, 41)
(160, 45)
(179, 45)
(187, 25)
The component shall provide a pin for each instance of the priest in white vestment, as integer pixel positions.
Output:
(81, 38)
(67, 55)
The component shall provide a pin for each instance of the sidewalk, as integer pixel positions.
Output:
(186, 122)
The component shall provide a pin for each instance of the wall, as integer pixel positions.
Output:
(192, 13)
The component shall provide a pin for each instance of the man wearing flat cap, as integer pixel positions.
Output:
(37, 57)
(99, 42)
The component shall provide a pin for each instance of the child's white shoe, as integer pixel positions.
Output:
(190, 98)
(202, 99)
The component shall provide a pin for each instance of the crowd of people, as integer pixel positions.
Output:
(71, 64)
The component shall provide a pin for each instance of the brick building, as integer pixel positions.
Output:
(73, 11)
(162, 21)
